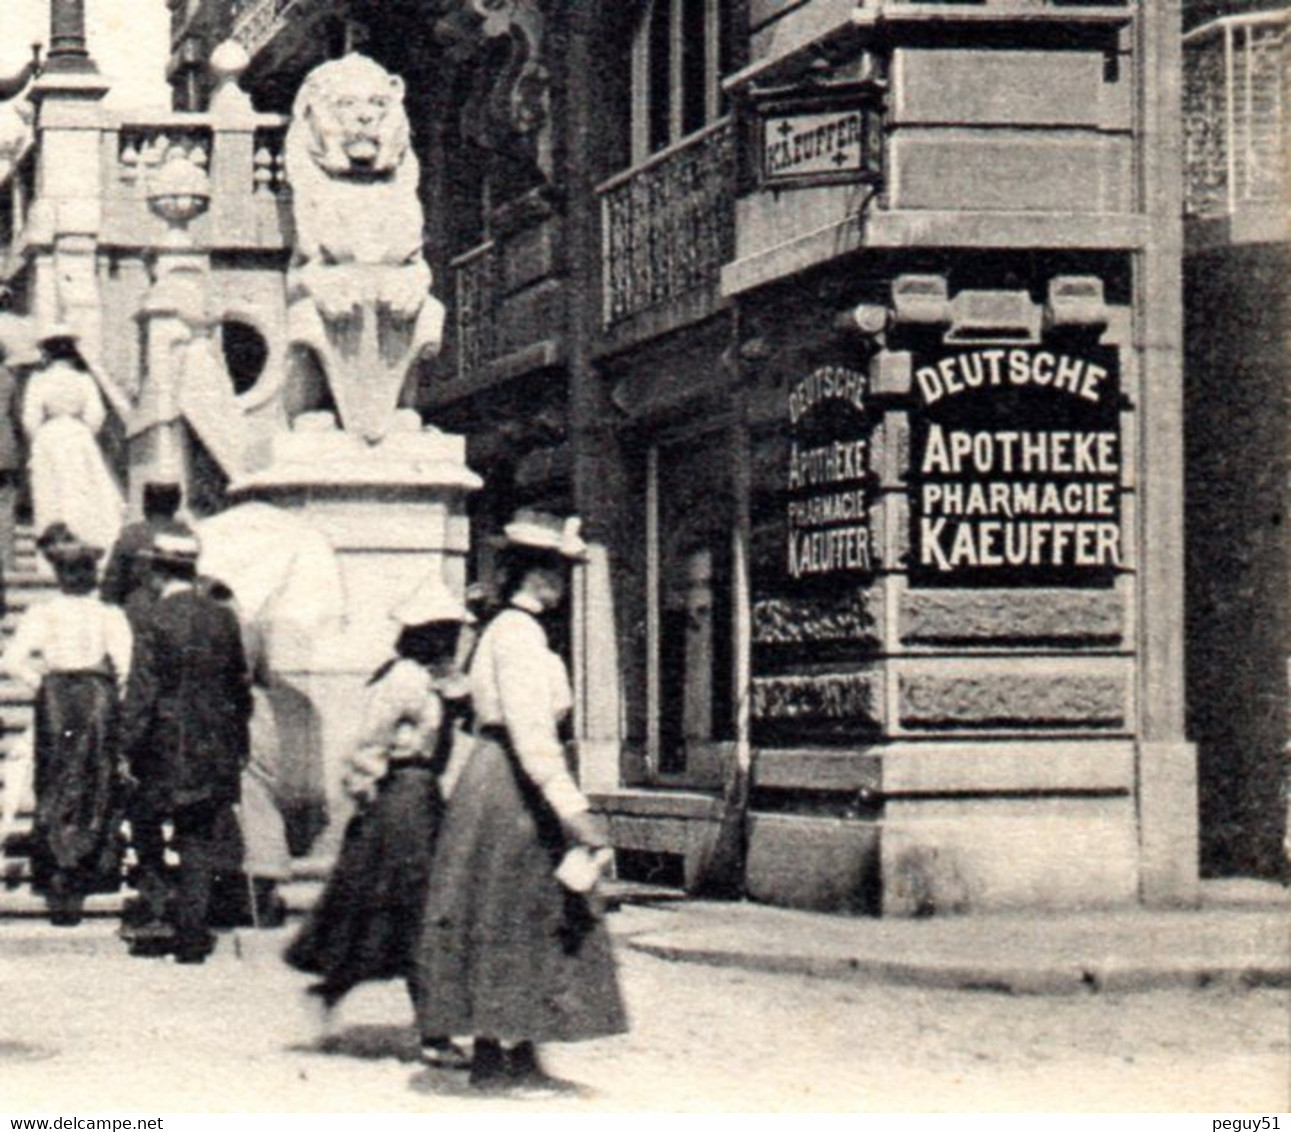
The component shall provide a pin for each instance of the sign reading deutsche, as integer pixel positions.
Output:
(812, 145)
(828, 481)
(1016, 468)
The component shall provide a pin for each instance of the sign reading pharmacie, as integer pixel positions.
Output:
(1016, 467)
(828, 487)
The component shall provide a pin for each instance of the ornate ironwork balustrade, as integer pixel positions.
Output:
(256, 22)
(476, 303)
(1237, 124)
(668, 224)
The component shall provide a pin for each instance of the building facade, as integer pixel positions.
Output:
(854, 332)
(1237, 241)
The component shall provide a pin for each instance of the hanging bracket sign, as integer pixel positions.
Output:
(833, 136)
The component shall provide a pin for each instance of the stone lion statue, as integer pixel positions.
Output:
(358, 248)
(354, 182)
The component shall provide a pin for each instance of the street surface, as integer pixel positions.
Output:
(85, 1029)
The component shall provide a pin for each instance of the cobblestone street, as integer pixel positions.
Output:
(86, 1028)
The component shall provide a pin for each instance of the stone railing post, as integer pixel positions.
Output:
(172, 315)
(233, 126)
(69, 188)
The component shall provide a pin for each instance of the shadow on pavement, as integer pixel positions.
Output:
(368, 1043)
(455, 1083)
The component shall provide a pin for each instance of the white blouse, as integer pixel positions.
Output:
(67, 633)
(401, 720)
(61, 390)
(517, 682)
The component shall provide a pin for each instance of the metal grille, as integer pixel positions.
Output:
(668, 225)
(476, 291)
(1236, 76)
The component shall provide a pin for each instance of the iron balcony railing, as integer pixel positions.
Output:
(256, 22)
(477, 303)
(1237, 73)
(668, 224)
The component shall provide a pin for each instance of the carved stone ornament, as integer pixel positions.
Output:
(359, 285)
(511, 97)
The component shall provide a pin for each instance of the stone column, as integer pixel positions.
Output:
(67, 51)
(69, 180)
(1167, 771)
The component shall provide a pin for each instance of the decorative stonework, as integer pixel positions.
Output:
(511, 100)
(981, 616)
(793, 621)
(833, 697)
(1008, 700)
(359, 286)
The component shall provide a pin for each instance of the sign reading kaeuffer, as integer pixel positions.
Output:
(1016, 467)
(828, 481)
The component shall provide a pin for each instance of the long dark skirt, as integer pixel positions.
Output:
(506, 952)
(368, 920)
(75, 846)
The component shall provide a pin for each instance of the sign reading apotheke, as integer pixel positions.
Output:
(1016, 467)
(812, 145)
(828, 480)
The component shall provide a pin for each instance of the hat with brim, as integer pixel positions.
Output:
(179, 548)
(58, 332)
(62, 548)
(540, 530)
(429, 602)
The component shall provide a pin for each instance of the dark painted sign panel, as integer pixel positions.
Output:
(827, 482)
(1016, 467)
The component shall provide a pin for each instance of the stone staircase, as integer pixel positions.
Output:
(25, 585)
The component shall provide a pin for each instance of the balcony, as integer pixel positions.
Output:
(667, 228)
(477, 309)
(256, 22)
(1237, 75)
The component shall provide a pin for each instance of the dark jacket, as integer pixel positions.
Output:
(127, 568)
(188, 702)
(11, 456)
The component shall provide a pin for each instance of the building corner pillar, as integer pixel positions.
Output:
(1167, 762)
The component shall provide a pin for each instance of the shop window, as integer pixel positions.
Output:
(681, 50)
(689, 582)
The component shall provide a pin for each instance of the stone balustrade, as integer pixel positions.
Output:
(241, 155)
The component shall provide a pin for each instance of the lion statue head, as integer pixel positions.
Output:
(349, 117)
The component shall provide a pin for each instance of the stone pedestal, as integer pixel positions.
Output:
(394, 513)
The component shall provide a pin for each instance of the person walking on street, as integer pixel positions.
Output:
(367, 923)
(185, 733)
(75, 652)
(508, 952)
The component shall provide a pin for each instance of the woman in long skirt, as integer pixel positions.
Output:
(368, 920)
(74, 650)
(507, 952)
(62, 415)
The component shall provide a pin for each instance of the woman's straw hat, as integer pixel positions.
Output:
(431, 601)
(544, 531)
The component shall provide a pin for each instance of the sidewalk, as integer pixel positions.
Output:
(1241, 936)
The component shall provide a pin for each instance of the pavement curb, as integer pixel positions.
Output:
(1055, 980)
